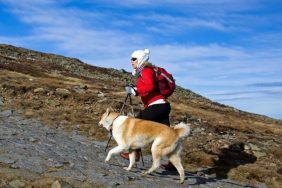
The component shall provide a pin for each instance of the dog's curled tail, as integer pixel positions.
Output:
(182, 130)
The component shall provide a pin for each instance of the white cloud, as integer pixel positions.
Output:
(164, 23)
(262, 106)
(102, 38)
(200, 4)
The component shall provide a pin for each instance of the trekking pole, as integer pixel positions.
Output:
(121, 110)
(130, 101)
(128, 95)
(142, 157)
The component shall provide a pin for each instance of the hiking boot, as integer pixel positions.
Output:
(169, 166)
(126, 156)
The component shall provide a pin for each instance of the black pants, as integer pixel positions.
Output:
(157, 112)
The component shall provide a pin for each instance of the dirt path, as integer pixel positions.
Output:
(29, 151)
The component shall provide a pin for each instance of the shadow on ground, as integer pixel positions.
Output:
(195, 180)
(230, 158)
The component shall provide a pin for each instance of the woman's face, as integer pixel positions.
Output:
(134, 62)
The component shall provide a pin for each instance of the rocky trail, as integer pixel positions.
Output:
(32, 151)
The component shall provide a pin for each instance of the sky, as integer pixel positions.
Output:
(225, 50)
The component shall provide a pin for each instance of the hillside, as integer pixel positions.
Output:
(68, 95)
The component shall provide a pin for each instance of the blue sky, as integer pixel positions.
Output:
(228, 51)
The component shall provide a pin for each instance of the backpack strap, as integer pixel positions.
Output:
(155, 71)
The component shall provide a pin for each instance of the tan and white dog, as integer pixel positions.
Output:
(132, 133)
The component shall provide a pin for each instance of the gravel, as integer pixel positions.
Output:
(27, 144)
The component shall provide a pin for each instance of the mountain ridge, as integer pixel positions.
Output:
(76, 66)
(66, 93)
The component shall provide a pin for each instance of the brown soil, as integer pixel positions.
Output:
(231, 143)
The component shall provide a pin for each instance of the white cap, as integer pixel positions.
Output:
(141, 55)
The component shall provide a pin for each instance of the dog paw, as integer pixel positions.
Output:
(181, 181)
(126, 168)
(144, 173)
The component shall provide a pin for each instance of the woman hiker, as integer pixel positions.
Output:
(156, 107)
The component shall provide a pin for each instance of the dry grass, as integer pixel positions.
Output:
(82, 111)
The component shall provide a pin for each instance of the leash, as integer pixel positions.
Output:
(109, 141)
(130, 102)
(121, 111)
(111, 135)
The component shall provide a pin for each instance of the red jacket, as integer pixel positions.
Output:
(146, 87)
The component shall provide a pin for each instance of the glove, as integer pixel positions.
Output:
(131, 90)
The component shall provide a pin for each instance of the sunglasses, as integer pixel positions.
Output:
(133, 59)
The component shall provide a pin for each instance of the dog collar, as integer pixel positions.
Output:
(111, 126)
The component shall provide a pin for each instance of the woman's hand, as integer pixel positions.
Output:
(131, 90)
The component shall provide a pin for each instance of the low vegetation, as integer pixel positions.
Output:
(66, 93)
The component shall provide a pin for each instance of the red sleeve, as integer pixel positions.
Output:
(145, 83)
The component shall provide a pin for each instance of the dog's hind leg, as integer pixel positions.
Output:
(156, 155)
(132, 157)
(176, 161)
(114, 151)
